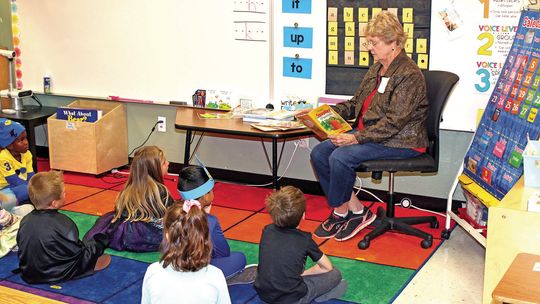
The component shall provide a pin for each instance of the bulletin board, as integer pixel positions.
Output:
(147, 50)
(494, 160)
(347, 56)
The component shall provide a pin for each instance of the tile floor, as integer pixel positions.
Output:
(455, 274)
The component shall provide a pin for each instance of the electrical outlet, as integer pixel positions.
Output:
(162, 127)
(303, 143)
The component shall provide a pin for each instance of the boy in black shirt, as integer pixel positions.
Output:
(49, 247)
(283, 251)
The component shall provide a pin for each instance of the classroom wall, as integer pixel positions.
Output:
(5, 24)
(248, 155)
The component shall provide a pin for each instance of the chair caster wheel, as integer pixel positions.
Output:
(445, 234)
(426, 243)
(434, 224)
(363, 244)
(405, 202)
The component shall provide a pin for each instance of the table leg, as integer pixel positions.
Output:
(187, 149)
(274, 164)
(31, 135)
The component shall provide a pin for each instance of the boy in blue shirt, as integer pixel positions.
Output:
(15, 166)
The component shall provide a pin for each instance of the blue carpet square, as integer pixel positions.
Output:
(120, 275)
(7, 264)
(246, 294)
(132, 294)
(243, 293)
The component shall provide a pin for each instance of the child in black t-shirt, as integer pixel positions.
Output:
(49, 247)
(281, 277)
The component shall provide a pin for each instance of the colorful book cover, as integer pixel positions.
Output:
(324, 121)
(78, 114)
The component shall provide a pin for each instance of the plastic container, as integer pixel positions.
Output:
(47, 84)
(531, 164)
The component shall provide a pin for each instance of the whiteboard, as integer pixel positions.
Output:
(150, 50)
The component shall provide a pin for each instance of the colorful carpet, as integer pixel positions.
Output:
(375, 275)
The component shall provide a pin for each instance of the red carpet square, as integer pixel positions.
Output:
(391, 248)
(76, 192)
(97, 204)
(240, 197)
(250, 230)
(229, 216)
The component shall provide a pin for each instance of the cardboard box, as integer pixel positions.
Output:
(88, 147)
(531, 164)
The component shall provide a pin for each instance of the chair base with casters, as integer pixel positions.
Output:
(438, 84)
(387, 222)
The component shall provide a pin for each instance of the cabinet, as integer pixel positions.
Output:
(89, 147)
(511, 230)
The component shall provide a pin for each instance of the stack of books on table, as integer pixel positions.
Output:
(263, 115)
(270, 125)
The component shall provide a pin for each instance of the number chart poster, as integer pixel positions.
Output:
(495, 33)
(494, 159)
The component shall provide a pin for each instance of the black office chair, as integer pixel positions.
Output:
(439, 85)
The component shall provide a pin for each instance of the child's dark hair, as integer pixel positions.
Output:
(286, 207)
(191, 177)
(186, 242)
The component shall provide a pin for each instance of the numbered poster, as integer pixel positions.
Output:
(495, 34)
(494, 159)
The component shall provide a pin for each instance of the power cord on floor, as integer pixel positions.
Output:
(286, 168)
(148, 137)
(381, 201)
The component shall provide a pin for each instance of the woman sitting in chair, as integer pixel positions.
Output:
(390, 107)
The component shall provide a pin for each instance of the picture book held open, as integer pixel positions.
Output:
(324, 121)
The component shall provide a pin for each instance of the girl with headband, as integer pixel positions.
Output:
(196, 183)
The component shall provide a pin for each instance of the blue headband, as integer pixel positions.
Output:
(202, 189)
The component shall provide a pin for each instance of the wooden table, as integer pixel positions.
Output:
(31, 117)
(520, 284)
(187, 118)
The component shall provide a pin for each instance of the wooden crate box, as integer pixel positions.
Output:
(89, 147)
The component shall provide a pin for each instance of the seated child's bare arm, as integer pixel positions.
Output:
(323, 265)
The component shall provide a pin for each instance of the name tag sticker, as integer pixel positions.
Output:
(382, 85)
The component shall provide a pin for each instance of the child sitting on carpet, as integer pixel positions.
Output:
(281, 277)
(49, 247)
(15, 167)
(183, 274)
(136, 223)
(195, 183)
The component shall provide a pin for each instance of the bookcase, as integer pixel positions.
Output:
(88, 147)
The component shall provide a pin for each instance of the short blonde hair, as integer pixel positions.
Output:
(387, 27)
(286, 207)
(45, 187)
